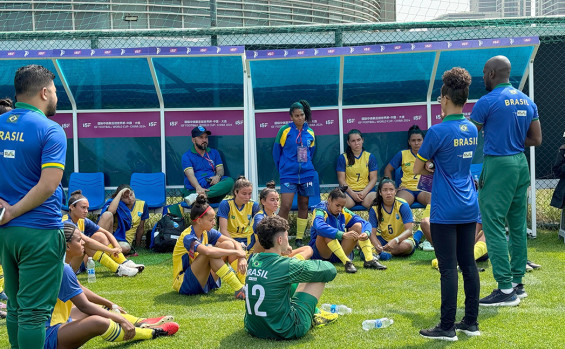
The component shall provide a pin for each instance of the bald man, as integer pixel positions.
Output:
(510, 122)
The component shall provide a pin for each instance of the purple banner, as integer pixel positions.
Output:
(219, 122)
(385, 119)
(436, 112)
(391, 48)
(324, 123)
(106, 125)
(125, 52)
(66, 122)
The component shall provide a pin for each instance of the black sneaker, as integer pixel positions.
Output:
(350, 268)
(498, 298)
(374, 264)
(438, 333)
(298, 243)
(520, 292)
(533, 265)
(469, 330)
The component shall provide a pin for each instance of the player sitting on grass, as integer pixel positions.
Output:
(201, 253)
(271, 311)
(89, 319)
(336, 230)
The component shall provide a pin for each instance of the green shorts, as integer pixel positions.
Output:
(304, 306)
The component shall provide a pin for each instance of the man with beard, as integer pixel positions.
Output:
(204, 170)
(32, 242)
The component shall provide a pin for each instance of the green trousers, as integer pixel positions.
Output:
(503, 200)
(33, 268)
(218, 191)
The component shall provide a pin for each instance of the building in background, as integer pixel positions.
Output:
(155, 14)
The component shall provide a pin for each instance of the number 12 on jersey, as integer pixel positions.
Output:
(254, 290)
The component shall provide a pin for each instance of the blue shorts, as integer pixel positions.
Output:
(333, 258)
(414, 193)
(51, 337)
(358, 202)
(410, 240)
(303, 189)
(191, 286)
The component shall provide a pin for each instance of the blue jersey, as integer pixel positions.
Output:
(285, 151)
(30, 142)
(505, 114)
(204, 166)
(329, 226)
(451, 146)
(85, 225)
(69, 289)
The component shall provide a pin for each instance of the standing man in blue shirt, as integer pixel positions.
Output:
(32, 242)
(454, 208)
(204, 170)
(510, 122)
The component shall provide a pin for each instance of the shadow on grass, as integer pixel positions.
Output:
(242, 339)
(174, 298)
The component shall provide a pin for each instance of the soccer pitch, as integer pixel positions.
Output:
(407, 292)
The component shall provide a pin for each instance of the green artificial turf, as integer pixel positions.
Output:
(407, 292)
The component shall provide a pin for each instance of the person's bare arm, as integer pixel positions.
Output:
(139, 233)
(224, 227)
(533, 137)
(189, 173)
(388, 171)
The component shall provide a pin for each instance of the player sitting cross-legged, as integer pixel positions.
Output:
(270, 312)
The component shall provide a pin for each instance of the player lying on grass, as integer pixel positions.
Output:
(272, 310)
(72, 328)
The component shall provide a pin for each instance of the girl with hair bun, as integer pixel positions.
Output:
(293, 152)
(336, 231)
(455, 208)
(408, 189)
(269, 201)
(202, 255)
(392, 222)
(357, 169)
(99, 243)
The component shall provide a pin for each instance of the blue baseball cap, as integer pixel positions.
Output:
(197, 131)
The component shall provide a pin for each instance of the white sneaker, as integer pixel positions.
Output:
(126, 271)
(190, 199)
(131, 264)
(426, 246)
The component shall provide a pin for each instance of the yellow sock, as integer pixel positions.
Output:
(480, 249)
(335, 247)
(1, 279)
(120, 259)
(301, 224)
(299, 257)
(114, 333)
(228, 276)
(133, 319)
(367, 249)
(106, 261)
(240, 276)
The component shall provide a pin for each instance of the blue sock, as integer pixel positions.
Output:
(418, 236)
(385, 256)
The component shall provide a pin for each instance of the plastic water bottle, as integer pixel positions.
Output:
(116, 309)
(90, 270)
(378, 323)
(335, 308)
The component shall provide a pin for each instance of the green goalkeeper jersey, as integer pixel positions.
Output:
(270, 310)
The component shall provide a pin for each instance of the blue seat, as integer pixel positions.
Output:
(397, 180)
(150, 187)
(92, 186)
(312, 200)
(358, 208)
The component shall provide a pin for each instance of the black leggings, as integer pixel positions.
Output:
(454, 244)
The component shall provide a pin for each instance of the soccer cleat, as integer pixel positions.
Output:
(529, 268)
(374, 264)
(520, 292)
(166, 329)
(426, 246)
(298, 243)
(350, 268)
(126, 271)
(240, 294)
(3, 306)
(131, 264)
(469, 330)
(438, 333)
(500, 299)
(3, 314)
(323, 318)
(155, 322)
(3, 296)
(190, 199)
(533, 265)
